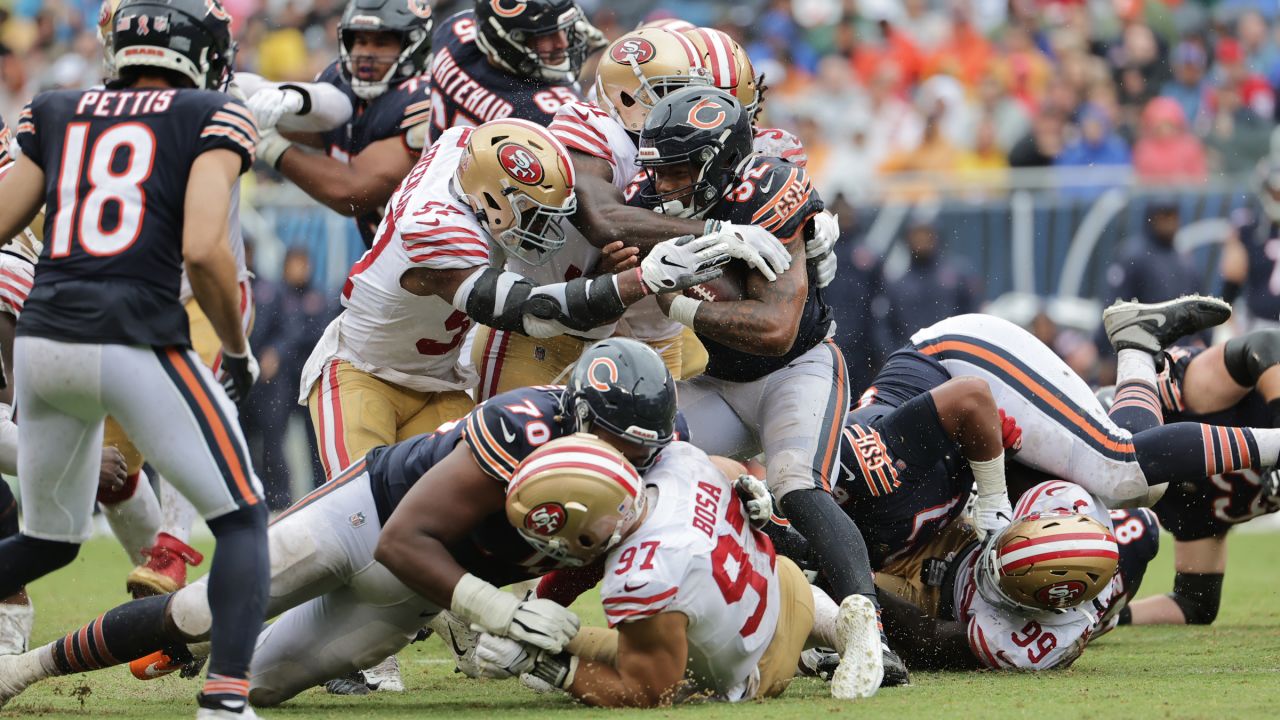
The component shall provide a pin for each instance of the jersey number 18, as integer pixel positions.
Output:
(83, 217)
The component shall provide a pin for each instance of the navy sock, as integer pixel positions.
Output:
(239, 579)
(1190, 452)
(127, 632)
(24, 559)
(1137, 407)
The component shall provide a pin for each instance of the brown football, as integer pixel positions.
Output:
(732, 285)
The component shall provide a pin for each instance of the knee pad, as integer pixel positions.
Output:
(189, 612)
(1198, 596)
(1250, 355)
(120, 494)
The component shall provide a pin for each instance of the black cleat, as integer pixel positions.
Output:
(1152, 327)
(895, 671)
(353, 684)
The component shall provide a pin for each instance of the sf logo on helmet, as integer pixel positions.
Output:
(421, 8)
(637, 50)
(520, 163)
(706, 114)
(602, 373)
(1061, 595)
(505, 8)
(546, 519)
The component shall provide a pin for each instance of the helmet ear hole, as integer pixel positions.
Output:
(491, 201)
(627, 99)
(586, 541)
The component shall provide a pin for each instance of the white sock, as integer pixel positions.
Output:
(179, 513)
(136, 520)
(1268, 440)
(825, 612)
(1135, 365)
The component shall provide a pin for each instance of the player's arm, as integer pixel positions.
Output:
(206, 253)
(1234, 264)
(362, 186)
(924, 642)
(652, 656)
(23, 193)
(604, 217)
(765, 323)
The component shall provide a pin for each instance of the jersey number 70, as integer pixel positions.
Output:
(83, 217)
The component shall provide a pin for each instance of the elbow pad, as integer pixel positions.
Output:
(581, 304)
(1250, 355)
(496, 298)
(1198, 596)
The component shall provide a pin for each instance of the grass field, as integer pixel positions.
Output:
(1230, 670)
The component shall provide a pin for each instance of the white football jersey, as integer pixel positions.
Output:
(695, 553)
(409, 340)
(1004, 640)
(776, 142)
(236, 235)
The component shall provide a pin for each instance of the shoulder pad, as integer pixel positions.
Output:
(502, 431)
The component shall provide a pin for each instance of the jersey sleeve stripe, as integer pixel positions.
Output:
(236, 121)
(234, 135)
(447, 253)
(582, 138)
(436, 232)
(452, 241)
(490, 455)
(641, 600)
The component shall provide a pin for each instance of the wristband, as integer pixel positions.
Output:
(644, 287)
(988, 476)
(479, 602)
(556, 670)
(683, 309)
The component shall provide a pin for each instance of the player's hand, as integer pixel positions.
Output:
(826, 230)
(238, 373)
(270, 104)
(271, 145)
(754, 494)
(683, 262)
(991, 514)
(536, 327)
(1010, 433)
(113, 472)
(825, 270)
(617, 257)
(499, 658)
(543, 624)
(418, 137)
(755, 246)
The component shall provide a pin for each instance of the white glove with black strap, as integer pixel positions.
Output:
(271, 145)
(992, 511)
(270, 104)
(754, 494)
(682, 262)
(539, 622)
(753, 245)
(499, 658)
(824, 270)
(238, 373)
(820, 249)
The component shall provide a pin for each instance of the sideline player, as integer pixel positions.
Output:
(702, 605)
(387, 367)
(332, 551)
(1250, 265)
(383, 48)
(107, 288)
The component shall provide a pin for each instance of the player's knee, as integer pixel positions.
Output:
(1250, 355)
(48, 555)
(189, 613)
(252, 519)
(265, 697)
(1198, 596)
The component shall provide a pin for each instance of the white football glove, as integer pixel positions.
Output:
(594, 36)
(754, 493)
(683, 262)
(499, 658)
(755, 246)
(271, 146)
(536, 327)
(991, 514)
(826, 230)
(543, 624)
(538, 622)
(269, 104)
(824, 271)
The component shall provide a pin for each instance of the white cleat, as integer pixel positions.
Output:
(461, 641)
(385, 676)
(17, 672)
(861, 667)
(15, 628)
(223, 714)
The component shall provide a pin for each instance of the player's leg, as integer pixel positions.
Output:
(671, 350)
(1222, 375)
(506, 360)
(352, 412)
(16, 613)
(57, 386)
(1199, 567)
(693, 355)
(716, 427)
(795, 624)
(438, 409)
(180, 418)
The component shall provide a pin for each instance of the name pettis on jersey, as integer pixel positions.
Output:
(99, 102)
(470, 95)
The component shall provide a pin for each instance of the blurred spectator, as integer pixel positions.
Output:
(1099, 146)
(932, 288)
(1149, 268)
(1024, 65)
(984, 166)
(1237, 135)
(1040, 147)
(1189, 84)
(858, 303)
(1166, 150)
(880, 44)
(291, 317)
(935, 154)
(16, 88)
(1260, 54)
(1233, 73)
(1009, 119)
(965, 54)
(1075, 349)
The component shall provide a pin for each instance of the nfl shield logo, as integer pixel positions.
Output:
(356, 519)
(539, 353)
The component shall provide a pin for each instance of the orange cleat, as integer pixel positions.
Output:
(157, 664)
(166, 568)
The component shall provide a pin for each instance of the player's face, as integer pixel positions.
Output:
(550, 47)
(673, 181)
(373, 54)
(632, 451)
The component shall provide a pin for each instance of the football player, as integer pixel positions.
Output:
(774, 383)
(1249, 262)
(103, 331)
(387, 367)
(356, 565)
(1030, 597)
(701, 604)
(635, 71)
(383, 48)
(507, 58)
(1234, 383)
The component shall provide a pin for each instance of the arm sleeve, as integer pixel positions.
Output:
(230, 127)
(575, 126)
(433, 240)
(26, 134)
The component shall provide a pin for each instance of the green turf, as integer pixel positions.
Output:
(1229, 670)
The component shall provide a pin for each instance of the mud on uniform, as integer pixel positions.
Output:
(391, 114)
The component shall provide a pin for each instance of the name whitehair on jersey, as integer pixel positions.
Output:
(110, 103)
(470, 95)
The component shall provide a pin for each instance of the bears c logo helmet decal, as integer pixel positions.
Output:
(598, 381)
(707, 114)
(507, 8)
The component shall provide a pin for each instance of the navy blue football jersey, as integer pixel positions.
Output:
(906, 374)
(467, 90)
(1261, 238)
(901, 479)
(389, 115)
(500, 433)
(116, 164)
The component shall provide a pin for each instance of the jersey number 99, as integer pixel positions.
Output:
(82, 217)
